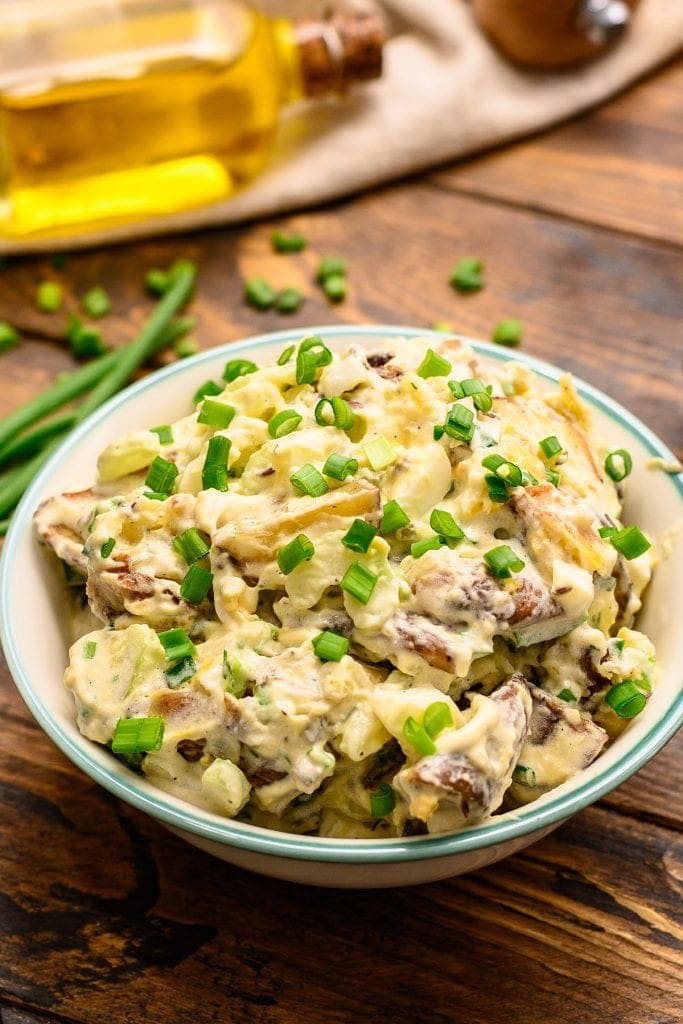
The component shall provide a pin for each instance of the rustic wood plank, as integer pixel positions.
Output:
(619, 167)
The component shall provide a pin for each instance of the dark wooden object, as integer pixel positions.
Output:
(106, 916)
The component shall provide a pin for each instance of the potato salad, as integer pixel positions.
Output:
(379, 592)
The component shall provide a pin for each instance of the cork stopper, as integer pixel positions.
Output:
(338, 50)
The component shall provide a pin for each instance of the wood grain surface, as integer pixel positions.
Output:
(106, 916)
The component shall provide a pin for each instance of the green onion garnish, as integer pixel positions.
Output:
(216, 414)
(618, 464)
(550, 446)
(626, 699)
(311, 356)
(234, 675)
(191, 546)
(107, 547)
(553, 476)
(157, 282)
(508, 333)
(339, 467)
(507, 471)
(137, 735)
(215, 469)
(329, 646)
(379, 453)
(419, 547)
(165, 434)
(439, 431)
(297, 551)
(49, 297)
(331, 266)
(629, 541)
(9, 336)
(607, 531)
(89, 649)
(393, 518)
(85, 341)
(177, 644)
(419, 737)
(502, 561)
(359, 536)
(567, 695)
(472, 386)
(154, 496)
(382, 801)
(289, 300)
(161, 476)
(526, 776)
(443, 523)
(460, 423)
(284, 423)
(339, 415)
(179, 673)
(286, 355)
(235, 368)
(335, 287)
(359, 582)
(196, 584)
(209, 387)
(281, 241)
(96, 302)
(309, 480)
(437, 717)
(496, 487)
(466, 275)
(433, 365)
(259, 294)
(185, 347)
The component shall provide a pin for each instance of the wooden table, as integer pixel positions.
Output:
(105, 916)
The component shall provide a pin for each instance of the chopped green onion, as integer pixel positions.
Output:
(393, 518)
(607, 531)
(502, 561)
(186, 347)
(234, 676)
(379, 453)
(191, 546)
(331, 266)
(359, 582)
(289, 300)
(567, 695)
(284, 423)
(433, 365)
(335, 287)
(443, 327)
(508, 333)
(209, 387)
(419, 547)
(216, 414)
(439, 431)
(550, 446)
(626, 699)
(419, 737)
(339, 467)
(437, 717)
(497, 490)
(359, 536)
(482, 401)
(137, 735)
(472, 386)
(96, 302)
(107, 547)
(460, 423)
(312, 355)
(177, 644)
(618, 464)
(526, 776)
(340, 413)
(157, 282)
(179, 673)
(161, 476)
(455, 388)
(259, 294)
(196, 584)
(507, 471)
(235, 368)
(629, 542)
(9, 336)
(443, 523)
(49, 297)
(329, 646)
(165, 434)
(286, 355)
(155, 495)
(89, 649)
(466, 275)
(297, 551)
(215, 469)
(529, 480)
(553, 476)
(382, 801)
(309, 480)
(281, 241)
(85, 341)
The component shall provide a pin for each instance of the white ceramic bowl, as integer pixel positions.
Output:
(35, 640)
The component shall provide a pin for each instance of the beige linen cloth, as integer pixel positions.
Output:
(445, 92)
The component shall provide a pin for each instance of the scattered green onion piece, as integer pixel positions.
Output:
(497, 490)
(472, 386)
(234, 676)
(155, 495)
(339, 467)
(161, 476)
(508, 333)
(309, 480)
(433, 365)
(607, 531)
(382, 801)
(550, 446)
(482, 401)
(157, 282)
(443, 523)
(456, 389)
(137, 735)
(179, 673)
(553, 476)
(281, 241)
(419, 547)
(215, 469)
(330, 646)
(359, 582)
(186, 347)
(466, 275)
(393, 518)
(439, 431)
(49, 297)
(525, 776)
(359, 536)
(84, 340)
(502, 561)
(460, 423)
(297, 551)
(529, 480)
(284, 423)
(340, 413)
(618, 464)
(235, 368)
(196, 584)
(335, 287)
(164, 433)
(311, 356)
(259, 294)
(443, 327)
(107, 547)
(437, 717)
(9, 336)
(331, 266)
(567, 695)
(289, 300)
(89, 649)
(191, 546)
(626, 699)
(505, 470)
(177, 644)
(216, 414)
(629, 542)
(286, 355)
(419, 737)
(209, 387)
(379, 453)
(96, 303)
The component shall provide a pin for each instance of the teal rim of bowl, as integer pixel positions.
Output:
(316, 848)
